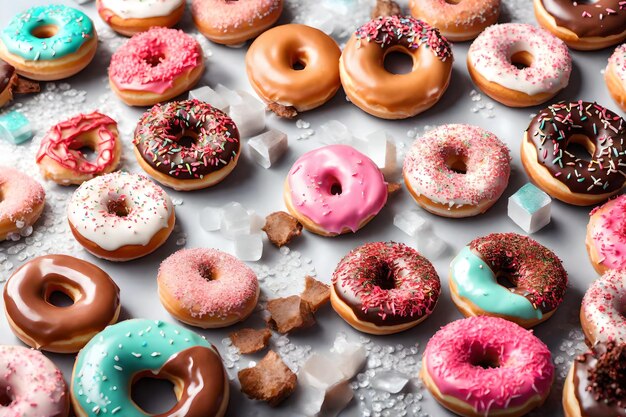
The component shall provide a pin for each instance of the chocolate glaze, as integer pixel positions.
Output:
(551, 131)
(6, 75)
(588, 19)
(386, 268)
(27, 291)
(589, 407)
(202, 373)
(159, 133)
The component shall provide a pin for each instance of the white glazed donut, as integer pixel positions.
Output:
(120, 216)
(492, 57)
(601, 314)
(141, 9)
(34, 385)
(457, 170)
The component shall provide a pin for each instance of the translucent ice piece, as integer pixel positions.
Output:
(334, 132)
(411, 222)
(321, 372)
(210, 96)
(249, 115)
(381, 149)
(235, 221)
(211, 218)
(529, 208)
(268, 147)
(15, 127)
(231, 96)
(350, 357)
(322, 19)
(256, 222)
(430, 245)
(249, 247)
(390, 381)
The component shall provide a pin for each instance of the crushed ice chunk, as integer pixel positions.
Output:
(235, 221)
(334, 132)
(256, 222)
(210, 96)
(529, 208)
(349, 357)
(389, 381)
(249, 247)
(381, 149)
(430, 245)
(211, 218)
(268, 147)
(321, 372)
(248, 115)
(411, 222)
(230, 96)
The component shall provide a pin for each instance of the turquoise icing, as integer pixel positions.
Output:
(476, 282)
(106, 365)
(74, 29)
(15, 127)
(531, 198)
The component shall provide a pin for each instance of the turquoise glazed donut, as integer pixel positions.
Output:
(43, 38)
(121, 354)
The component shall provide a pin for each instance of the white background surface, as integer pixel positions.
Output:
(261, 190)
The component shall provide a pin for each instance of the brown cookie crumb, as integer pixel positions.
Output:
(386, 8)
(393, 187)
(270, 380)
(250, 340)
(281, 228)
(25, 86)
(288, 112)
(290, 313)
(315, 293)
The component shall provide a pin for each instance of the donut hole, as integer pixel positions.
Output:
(581, 147)
(486, 358)
(59, 299)
(385, 277)
(118, 207)
(206, 272)
(155, 59)
(45, 31)
(187, 139)
(153, 395)
(398, 62)
(522, 60)
(5, 395)
(85, 150)
(298, 64)
(505, 281)
(335, 188)
(456, 163)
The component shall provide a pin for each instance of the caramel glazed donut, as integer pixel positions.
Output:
(584, 25)
(395, 96)
(560, 173)
(42, 325)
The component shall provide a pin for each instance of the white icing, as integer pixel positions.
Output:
(149, 210)
(490, 55)
(602, 306)
(141, 9)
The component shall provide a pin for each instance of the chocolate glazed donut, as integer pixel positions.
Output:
(42, 325)
(7, 80)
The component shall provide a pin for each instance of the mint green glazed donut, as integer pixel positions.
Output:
(107, 366)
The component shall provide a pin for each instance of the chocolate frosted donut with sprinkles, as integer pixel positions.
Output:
(584, 25)
(564, 175)
(395, 96)
(187, 145)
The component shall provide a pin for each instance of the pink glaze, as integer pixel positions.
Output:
(34, 384)
(19, 193)
(363, 188)
(454, 354)
(618, 61)
(603, 308)
(61, 143)
(208, 282)
(226, 15)
(608, 232)
(486, 159)
(172, 52)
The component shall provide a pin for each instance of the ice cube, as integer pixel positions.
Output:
(256, 222)
(268, 147)
(249, 247)
(15, 127)
(210, 96)
(430, 245)
(411, 222)
(249, 115)
(349, 357)
(309, 400)
(334, 132)
(321, 372)
(322, 19)
(529, 208)
(337, 398)
(211, 218)
(390, 381)
(230, 96)
(381, 149)
(235, 221)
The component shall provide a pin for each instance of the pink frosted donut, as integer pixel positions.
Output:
(21, 202)
(457, 170)
(545, 59)
(207, 288)
(606, 242)
(602, 311)
(457, 20)
(31, 385)
(334, 189)
(234, 22)
(60, 158)
(482, 366)
(155, 66)
(615, 75)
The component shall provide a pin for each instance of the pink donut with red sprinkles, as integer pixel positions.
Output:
(21, 203)
(457, 170)
(207, 288)
(155, 66)
(32, 384)
(518, 64)
(482, 366)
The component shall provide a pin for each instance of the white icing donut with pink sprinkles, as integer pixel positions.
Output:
(32, 385)
(457, 170)
(601, 314)
(615, 76)
(518, 64)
